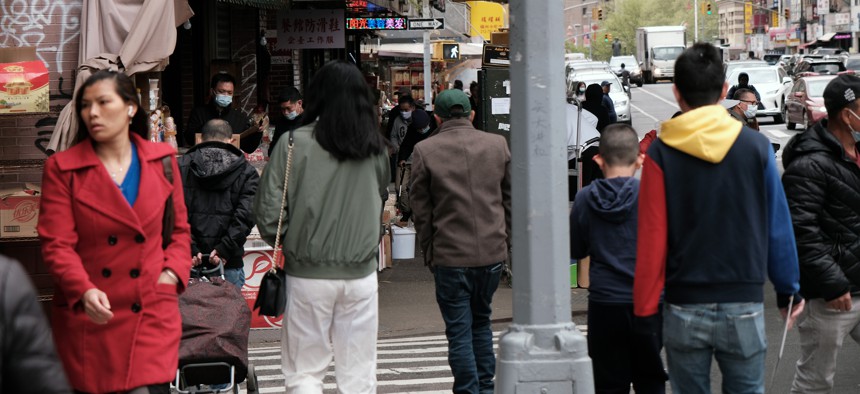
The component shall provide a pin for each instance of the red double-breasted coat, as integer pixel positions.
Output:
(92, 238)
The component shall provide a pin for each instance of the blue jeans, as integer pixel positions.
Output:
(235, 276)
(464, 296)
(733, 333)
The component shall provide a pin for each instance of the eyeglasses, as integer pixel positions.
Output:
(754, 102)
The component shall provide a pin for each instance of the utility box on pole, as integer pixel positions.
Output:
(542, 351)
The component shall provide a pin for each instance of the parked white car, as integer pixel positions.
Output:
(771, 82)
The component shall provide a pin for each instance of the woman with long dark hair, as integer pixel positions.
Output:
(337, 183)
(115, 314)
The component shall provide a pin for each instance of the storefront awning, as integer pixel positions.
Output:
(267, 4)
(827, 37)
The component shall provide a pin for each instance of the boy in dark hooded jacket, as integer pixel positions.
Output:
(603, 226)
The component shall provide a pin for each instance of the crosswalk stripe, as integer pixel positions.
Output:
(407, 365)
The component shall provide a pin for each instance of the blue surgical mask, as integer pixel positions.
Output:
(223, 100)
(425, 130)
(855, 133)
(292, 115)
(406, 114)
(751, 111)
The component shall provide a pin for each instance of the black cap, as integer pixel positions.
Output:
(841, 91)
(605, 83)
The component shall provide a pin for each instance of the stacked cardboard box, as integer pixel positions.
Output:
(19, 211)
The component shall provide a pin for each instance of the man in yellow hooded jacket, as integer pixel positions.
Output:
(713, 226)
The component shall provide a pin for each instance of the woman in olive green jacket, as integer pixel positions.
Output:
(331, 232)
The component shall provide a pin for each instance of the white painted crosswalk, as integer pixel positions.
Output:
(416, 365)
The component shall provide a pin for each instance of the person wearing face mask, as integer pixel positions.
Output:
(222, 89)
(418, 129)
(580, 91)
(293, 114)
(746, 108)
(821, 182)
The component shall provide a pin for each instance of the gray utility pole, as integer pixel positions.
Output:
(542, 351)
(428, 73)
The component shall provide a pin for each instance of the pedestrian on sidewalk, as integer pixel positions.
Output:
(607, 101)
(290, 103)
(28, 359)
(337, 185)
(603, 226)
(418, 130)
(461, 202)
(822, 183)
(219, 186)
(746, 108)
(115, 314)
(713, 262)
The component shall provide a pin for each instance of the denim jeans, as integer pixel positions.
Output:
(464, 296)
(733, 333)
(235, 276)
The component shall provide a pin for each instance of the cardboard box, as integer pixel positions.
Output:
(19, 212)
(23, 82)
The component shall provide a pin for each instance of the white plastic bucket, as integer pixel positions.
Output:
(403, 243)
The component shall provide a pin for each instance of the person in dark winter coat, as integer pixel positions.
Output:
(822, 184)
(28, 359)
(594, 104)
(603, 226)
(219, 191)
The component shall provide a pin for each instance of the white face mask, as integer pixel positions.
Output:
(425, 130)
(855, 133)
(406, 114)
(223, 100)
(751, 111)
(292, 115)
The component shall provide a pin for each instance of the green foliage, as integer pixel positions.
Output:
(623, 17)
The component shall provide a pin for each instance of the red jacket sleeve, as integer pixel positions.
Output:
(58, 234)
(651, 241)
(647, 140)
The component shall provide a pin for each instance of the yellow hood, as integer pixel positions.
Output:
(705, 132)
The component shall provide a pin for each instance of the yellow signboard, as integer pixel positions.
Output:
(487, 17)
(748, 16)
(774, 19)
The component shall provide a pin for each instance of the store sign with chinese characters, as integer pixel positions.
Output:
(311, 29)
(376, 24)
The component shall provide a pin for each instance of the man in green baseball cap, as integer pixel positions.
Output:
(461, 206)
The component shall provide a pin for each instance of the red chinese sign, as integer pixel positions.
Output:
(376, 24)
(306, 29)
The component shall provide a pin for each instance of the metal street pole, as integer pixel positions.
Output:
(428, 73)
(542, 351)
(696, 20)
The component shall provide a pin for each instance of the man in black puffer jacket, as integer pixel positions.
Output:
(822, 184)
(28, 360)
(219, 187)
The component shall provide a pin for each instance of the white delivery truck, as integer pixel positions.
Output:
(657, 47)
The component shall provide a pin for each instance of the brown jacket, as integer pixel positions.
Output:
(461, 196)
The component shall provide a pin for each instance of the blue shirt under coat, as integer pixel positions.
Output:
(131, 184)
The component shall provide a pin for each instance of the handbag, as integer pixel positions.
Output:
(272, 297)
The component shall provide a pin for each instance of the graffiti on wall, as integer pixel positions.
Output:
(26, 23)
(51, 26)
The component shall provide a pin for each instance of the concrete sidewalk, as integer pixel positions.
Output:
(407, 304)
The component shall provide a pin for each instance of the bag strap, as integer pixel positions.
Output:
(284, 197)
(168, 221)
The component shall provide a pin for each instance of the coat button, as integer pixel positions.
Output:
(135, 307)
(112, 240)
(106, 273)
(139, 238)
(134, 273)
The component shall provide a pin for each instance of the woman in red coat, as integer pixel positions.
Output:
(115, 313)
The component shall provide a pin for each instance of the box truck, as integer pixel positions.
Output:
(657, 47)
